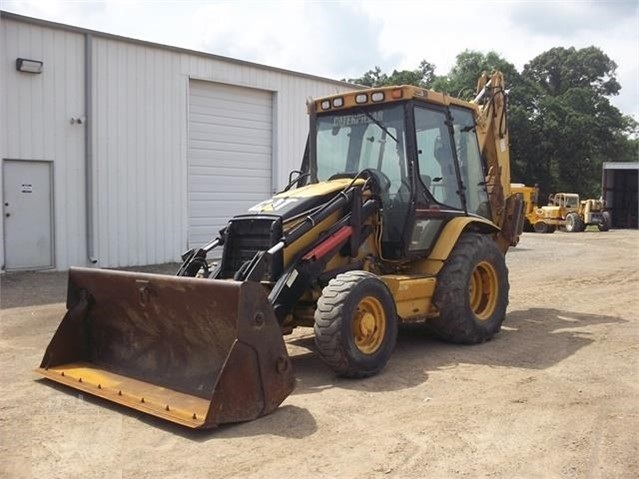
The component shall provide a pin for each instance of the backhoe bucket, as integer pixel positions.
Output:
(197, 352)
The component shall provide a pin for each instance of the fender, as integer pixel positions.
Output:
(448, 239)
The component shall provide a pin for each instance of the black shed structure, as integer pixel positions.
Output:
(619, 182)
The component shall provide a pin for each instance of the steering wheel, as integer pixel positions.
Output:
(383, 182)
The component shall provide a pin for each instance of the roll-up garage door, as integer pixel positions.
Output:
(229, 155)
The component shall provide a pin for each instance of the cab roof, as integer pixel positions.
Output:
(381, 95)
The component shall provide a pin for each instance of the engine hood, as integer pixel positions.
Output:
(289, 204)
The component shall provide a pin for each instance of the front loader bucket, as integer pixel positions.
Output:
(197, 352)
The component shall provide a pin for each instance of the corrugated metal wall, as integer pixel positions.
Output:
(139, 122)
(35, 122)
(139, 130)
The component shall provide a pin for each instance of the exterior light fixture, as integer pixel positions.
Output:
(29, 66)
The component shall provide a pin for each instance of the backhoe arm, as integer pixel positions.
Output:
(492, 134)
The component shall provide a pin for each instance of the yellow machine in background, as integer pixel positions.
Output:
(564, 210)
(401, 213)
(530, 201)
(589, 212)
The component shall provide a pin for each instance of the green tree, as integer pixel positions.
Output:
(422, 76)
(573, 120)
(372, 78)
(461, 81)
(561, 69)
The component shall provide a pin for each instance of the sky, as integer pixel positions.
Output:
(344, 39)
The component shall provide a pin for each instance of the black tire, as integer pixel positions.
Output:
(582, 225)
(348, 302)
(472, 292)
(540, 227)
(572, 222)
(607, 221)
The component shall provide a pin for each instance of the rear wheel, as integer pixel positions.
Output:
(472, 292)
(607, 221)
(355, 324)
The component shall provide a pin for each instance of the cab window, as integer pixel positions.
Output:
(435, 157)
(471, 167)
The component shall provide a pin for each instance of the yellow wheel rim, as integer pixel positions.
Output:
(483, 291)
(369, 325)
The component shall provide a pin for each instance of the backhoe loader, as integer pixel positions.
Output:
(401, 213)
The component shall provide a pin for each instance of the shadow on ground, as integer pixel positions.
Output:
(535, 338)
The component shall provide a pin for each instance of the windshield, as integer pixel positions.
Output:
(350, 142)
(371, 138)
(572, 201)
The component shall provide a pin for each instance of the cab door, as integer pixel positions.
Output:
(437, 183)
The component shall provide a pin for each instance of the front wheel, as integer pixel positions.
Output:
(355, 324)
(472, 292)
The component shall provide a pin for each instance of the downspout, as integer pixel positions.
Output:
(88, 145)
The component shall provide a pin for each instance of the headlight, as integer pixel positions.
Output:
(377, 96)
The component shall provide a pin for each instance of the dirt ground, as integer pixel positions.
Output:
(555, 394)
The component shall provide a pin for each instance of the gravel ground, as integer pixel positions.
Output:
(555, 394)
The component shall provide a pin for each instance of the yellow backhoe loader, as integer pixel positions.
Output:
(401, 213)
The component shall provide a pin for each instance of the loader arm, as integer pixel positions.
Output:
(348, 233)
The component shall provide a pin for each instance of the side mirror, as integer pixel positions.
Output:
(290, 175)
(293, 180)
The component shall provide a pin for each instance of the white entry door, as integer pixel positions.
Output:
(27, 207)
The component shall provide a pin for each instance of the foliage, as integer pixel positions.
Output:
(462, 79)
(562, 124)
(573, 120)
(423, 77)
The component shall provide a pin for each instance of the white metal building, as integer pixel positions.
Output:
(118, 152)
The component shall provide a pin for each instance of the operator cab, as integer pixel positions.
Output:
(425, 157)
(564, 200)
